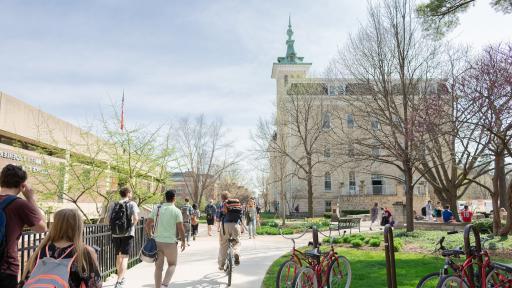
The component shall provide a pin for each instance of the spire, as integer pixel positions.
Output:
(291, 56)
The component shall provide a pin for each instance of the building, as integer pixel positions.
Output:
(65, 164)
(351, 185)
(183, 183)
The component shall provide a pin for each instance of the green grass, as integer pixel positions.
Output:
(369, 268)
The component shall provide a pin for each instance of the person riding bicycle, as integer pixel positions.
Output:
(231, 227)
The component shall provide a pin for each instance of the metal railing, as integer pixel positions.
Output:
(97, 236)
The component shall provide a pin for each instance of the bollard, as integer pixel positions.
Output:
(478, 250)
(316, 243)
(389, 250)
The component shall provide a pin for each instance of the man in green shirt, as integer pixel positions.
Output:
(166, 222)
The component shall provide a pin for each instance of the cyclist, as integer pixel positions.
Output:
(230, 217)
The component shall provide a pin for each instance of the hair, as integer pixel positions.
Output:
(67, 226)
(251, 202)
(224, 195)
(194, 206)
(446, 206)
(466, 207)
(125, 191)
(12, 176)
(376, 204)
(170, 195)
(186, 200)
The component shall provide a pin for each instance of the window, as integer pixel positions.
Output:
(285, 80)
(352, 182)
(350, 121)
(326, 120)
(341, 89)
(327, 181)
(376, 150)
(350, 150)
(375, 124)
(328, 206)
(327, 152)
(377, 184)
(332, 90)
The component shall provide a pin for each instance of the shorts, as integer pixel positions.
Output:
(123, 245)
(210, 221)
(8, 280)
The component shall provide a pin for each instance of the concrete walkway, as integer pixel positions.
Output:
(197, 265)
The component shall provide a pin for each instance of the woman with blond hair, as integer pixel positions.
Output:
(62, 258)
(250, 217)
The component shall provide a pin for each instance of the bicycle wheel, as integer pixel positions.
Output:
(305, 278)
(229, 267)
(451, 282)
(429, 280)
(499, 279)
(285, 274)
(340, 273)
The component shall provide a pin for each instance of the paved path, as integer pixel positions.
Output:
(197, 265)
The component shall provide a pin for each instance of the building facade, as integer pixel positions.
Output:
(337, 180)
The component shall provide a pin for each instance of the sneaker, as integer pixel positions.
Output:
(237, 259)
(194, 238)
(164, 286)
(221, 268)
(119, 284)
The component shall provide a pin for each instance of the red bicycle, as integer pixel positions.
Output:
(290, 267)
(324, 269)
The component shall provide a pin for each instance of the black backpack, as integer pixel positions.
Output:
(3, 223)
(424, 211)
(121, 218)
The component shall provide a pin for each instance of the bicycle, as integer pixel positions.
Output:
(324, 270)
(430, 280)
(289, 268)
(229, 260)
(489, 274)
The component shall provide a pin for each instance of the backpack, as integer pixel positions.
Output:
(50, 272)
(185, 212)
(233, 210)
(3, 223)
(121, 218)
(424, 211)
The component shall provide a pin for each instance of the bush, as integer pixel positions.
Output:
(356, 243)
(358, 237)
(367, 240)
(484, 226)
(492, 246)
(328, 216)
(346, 239)
(270, 223)
(398, 245)
(335, 240)
(374, 242)
(355, 212)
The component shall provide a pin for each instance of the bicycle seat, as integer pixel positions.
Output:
(501, 266)
(312, 253)
(449, 253)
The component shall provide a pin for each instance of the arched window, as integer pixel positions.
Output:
(326, 120)
(327, 181)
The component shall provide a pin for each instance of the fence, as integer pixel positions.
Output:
(97, 236)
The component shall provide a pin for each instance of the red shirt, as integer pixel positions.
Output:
(19, 213)
(466, 216)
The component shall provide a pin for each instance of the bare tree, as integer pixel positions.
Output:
(392, 66)
(203, 153)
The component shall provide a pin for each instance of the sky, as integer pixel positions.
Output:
(73, 59)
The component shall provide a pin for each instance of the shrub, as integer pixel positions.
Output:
(484, 226)
(328, 216)
(346, 239)
(266, 230)
(492, 246)
(270, 223)
(355, 212)
(367, 240)
(356, 243)
(374, 242)
(398, 245)
(358, 237)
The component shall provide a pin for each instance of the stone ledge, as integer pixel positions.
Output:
(433, 226)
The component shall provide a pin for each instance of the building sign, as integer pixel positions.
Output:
(30, 164)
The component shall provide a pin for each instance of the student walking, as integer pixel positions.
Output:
(211, 212)
(186, 212)
(63, 257)
(123, 215)
(167, 223)
(374, 214)
(387, 218)
(250, 218)
(194, 220)
(15, 213)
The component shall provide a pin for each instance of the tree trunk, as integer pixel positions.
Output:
(498, 189)
(283, 200)
(508, 226)
(409, 200)
(310, 195)
(452, 201)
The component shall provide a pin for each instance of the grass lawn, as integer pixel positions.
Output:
(369, 268)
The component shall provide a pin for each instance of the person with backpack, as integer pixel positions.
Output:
(374, 214)
(210, 211)
(167, 223)
(250, 218)
(123, 215)
(15, 213)
(194, 220)
(186, 212)
(231, 227)
(63, 257)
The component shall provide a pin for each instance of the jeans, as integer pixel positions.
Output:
(188, 229)
(251, 226)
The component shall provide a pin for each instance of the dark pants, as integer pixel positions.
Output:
(194, 229)
(8, 280)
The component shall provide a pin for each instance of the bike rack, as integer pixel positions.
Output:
(467, 249)
(389, 249)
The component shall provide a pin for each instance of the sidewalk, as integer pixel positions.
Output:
(197, 265)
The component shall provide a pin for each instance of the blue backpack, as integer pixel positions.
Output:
(3, 222)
